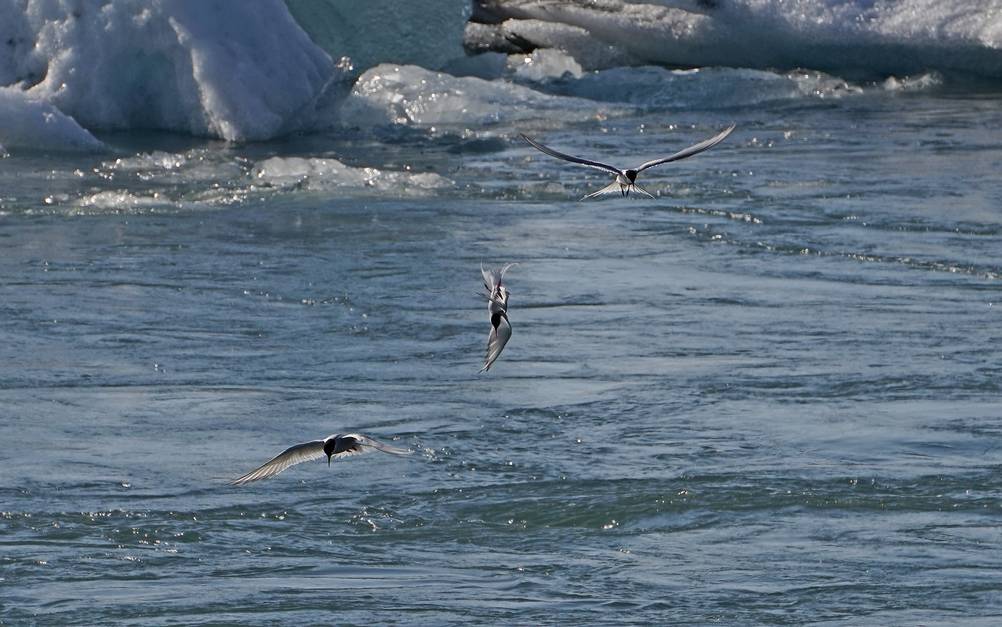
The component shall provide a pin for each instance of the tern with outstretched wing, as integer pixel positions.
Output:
(626, 180)
(333, 447)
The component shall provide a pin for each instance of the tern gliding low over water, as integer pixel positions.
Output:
(333, 446)
(626, 180)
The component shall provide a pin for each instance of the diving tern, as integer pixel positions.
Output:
(333, 446)
(626, 180)
(497, 306)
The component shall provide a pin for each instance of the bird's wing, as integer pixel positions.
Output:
(492, 277)
(691, 150)
(641, 190)
(612, 188)
(289, 457)
(364, 444)
(488, 275)
(571, 158)
(496, 341)
(504, 269)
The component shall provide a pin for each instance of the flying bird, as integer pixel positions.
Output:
(626, 180)
(497, 306)
(333, 446)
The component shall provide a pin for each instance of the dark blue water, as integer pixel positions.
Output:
(770, 396)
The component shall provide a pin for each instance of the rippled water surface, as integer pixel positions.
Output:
(772, 395)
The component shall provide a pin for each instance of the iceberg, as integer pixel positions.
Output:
(427, 33)
(28, 123)
(232, 70)
(868, 37)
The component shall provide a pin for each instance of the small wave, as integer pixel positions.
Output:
(692, 502)
(989, 273)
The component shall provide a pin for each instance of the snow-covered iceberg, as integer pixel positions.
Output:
(842, 36)
(216, 68)
(25, 122)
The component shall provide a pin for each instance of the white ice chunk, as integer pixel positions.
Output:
(235, 70)
(409, 95)
(319, 174)
(29, 123)
(122, 201)
(544, 64)
(920, 82)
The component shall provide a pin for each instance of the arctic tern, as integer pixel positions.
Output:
(497, 306)
(333, 446)
(626, 180)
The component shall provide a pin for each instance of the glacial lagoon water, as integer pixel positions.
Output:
(772, 395)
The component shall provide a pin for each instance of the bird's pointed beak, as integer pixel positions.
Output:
(328, 460)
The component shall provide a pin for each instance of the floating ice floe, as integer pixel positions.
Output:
(121, 201)
(654, 88)
(409, 95)
(234, 70)
(196, 167)
(920, 82)
(317, 174)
